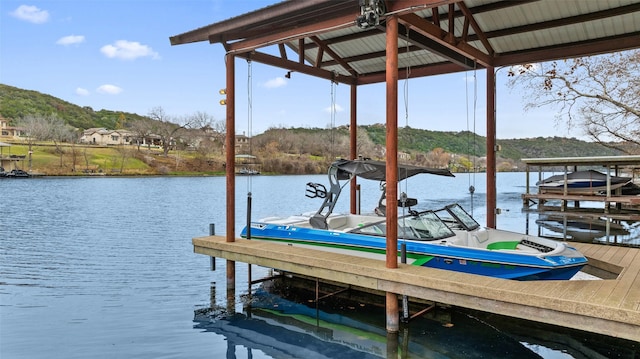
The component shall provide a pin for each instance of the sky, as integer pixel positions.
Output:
(116, 55)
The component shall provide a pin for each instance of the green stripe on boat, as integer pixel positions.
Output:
(421, 261)
(503, 245)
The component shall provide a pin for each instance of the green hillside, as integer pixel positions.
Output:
(467, 143)
(16, 103)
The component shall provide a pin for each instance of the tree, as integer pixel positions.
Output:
(364, 145)
(166, 129)
(61, 132)
(45, 128)
(142, 129)
(599, 94)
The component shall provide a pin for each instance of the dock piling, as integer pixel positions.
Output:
(393, 322)
(212, 232)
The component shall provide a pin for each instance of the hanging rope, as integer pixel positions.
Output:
(471, 151)
(403, 195)
(334, 84)
(406, 106)
(249, 120)
(251, 170)
(406, 84)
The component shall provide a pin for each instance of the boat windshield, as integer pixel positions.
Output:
(422, 226)
(455, 213)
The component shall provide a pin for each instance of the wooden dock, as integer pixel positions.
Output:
(610, 307)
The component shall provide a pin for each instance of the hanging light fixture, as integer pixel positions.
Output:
(223, 102)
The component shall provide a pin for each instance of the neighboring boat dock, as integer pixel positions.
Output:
(611, 165)
(610, 306)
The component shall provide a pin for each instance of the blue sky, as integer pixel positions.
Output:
(116, 55)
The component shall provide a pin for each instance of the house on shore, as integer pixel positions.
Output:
(9, 131)
(104, 137)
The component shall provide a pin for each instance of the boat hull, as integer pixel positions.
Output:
(582, 182)
(506, 264)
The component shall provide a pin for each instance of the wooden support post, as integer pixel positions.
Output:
(212, 296)
(212, 232)
(230, 145)
(392, 142)
(393, 315)
(231, 286)
(230, 165)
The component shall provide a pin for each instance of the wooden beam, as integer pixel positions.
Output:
(248, 20)
(468, 16)
(333, 55)
(434, 47)
(283, 51)
(437, 34)
(563, 51)
(544, 25)
(297, 67)
(301, 50)
(293, 34)
(417, 71)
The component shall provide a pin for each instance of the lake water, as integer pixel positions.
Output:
(104, 268)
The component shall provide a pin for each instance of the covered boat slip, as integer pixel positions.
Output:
(612, 166)
(366, 42)
(609, 306)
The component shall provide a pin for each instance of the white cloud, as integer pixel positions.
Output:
(31, 13)
(128, 50)
(274, 83)
(82, 91)
(70, 40)
(337, 108)
(109, 89)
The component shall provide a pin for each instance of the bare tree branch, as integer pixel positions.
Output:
(599, 94)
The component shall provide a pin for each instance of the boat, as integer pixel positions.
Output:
(446, 238)
(248, 171)
(582, 182)
(14, 173)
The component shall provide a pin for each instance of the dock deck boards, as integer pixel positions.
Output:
(610, 307)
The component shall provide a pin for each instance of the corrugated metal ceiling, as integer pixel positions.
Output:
(484, 33)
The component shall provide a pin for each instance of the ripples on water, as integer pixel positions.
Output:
(104, 267)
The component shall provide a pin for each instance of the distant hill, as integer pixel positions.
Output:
(15, 103)
(468, 143)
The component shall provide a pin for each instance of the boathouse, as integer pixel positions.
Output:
(609, 165)
(375, 41)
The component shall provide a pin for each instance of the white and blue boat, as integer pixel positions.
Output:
(582, 182)
(447, 238)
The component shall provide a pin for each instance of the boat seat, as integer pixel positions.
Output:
(481, 236)
(336, 222)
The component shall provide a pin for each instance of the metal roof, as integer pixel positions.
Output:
(584, 161)
(322, 38)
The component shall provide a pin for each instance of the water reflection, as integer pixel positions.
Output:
(583, 229)
(281, 319)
